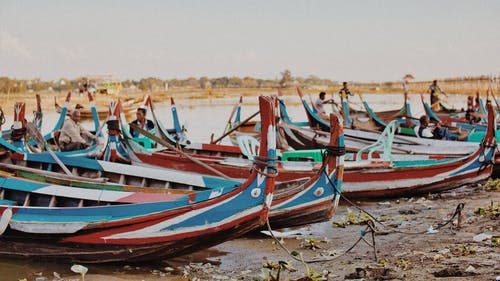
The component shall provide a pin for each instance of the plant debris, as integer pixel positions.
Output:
(492, 211)
(353, 218)
(492, 185)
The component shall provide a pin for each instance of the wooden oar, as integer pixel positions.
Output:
(235, 127)
(231, 117)
(294, 127)
(37, 136)
(173, 148)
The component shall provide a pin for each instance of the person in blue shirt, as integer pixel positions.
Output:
(142, 122)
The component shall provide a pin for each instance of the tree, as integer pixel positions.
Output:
(204, 82)
(286, 78)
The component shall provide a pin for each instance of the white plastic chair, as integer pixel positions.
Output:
(249, 146)
(384, 143)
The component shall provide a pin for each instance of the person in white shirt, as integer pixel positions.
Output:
(72, 134)
(318, 104)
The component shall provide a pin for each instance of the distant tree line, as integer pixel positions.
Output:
(9, 85)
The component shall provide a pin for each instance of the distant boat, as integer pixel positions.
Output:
(129, 108)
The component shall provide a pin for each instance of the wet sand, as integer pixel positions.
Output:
(399, 256)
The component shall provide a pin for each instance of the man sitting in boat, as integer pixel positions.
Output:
(318, 105)
(72, 134)
(144, 123)
(438, 132)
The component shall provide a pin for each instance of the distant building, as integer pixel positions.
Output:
(102, 84)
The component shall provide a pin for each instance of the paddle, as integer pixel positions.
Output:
(37, 136)
(235, 127)
(173, 148)
(231, 117)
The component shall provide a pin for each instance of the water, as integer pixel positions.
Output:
(202, 117)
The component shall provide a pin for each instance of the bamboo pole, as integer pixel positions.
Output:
(235, 127)
(173, 148)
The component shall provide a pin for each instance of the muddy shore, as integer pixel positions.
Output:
(451, 253)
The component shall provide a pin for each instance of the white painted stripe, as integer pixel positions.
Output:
(271, 137)
(397, 184)
(83, 193)
(47, 227)
(156, 230)
(304, 205)
(154, 173)
(153, 231)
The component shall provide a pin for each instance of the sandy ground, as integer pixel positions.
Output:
(450, 251)
(449, 254)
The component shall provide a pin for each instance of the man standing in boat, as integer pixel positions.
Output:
(344, 92)
(318, 105)
(434, 91)
(72, 134)
(142, 122)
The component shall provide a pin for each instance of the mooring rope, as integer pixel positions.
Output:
(370, 228)
(458, 211)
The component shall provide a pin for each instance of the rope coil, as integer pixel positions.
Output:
(335, 150)
(263, 162)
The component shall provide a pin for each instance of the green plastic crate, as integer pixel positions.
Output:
(314, 155)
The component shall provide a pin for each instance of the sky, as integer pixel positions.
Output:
(338, 40)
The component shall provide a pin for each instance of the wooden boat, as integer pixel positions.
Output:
(409, 178)
(370, 120)
(312, 138)
(248, 128)
(294, 203)
(371, 179)
(305, 201)
(318, 198)
(476, 132)
(176, 135)
(18, 127)
(244, 127)
(455, 119)
(59, 222)
(18, 140)
(130, 107)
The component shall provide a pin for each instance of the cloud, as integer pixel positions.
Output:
(12, 46)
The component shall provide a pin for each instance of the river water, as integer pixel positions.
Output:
(201, 117)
